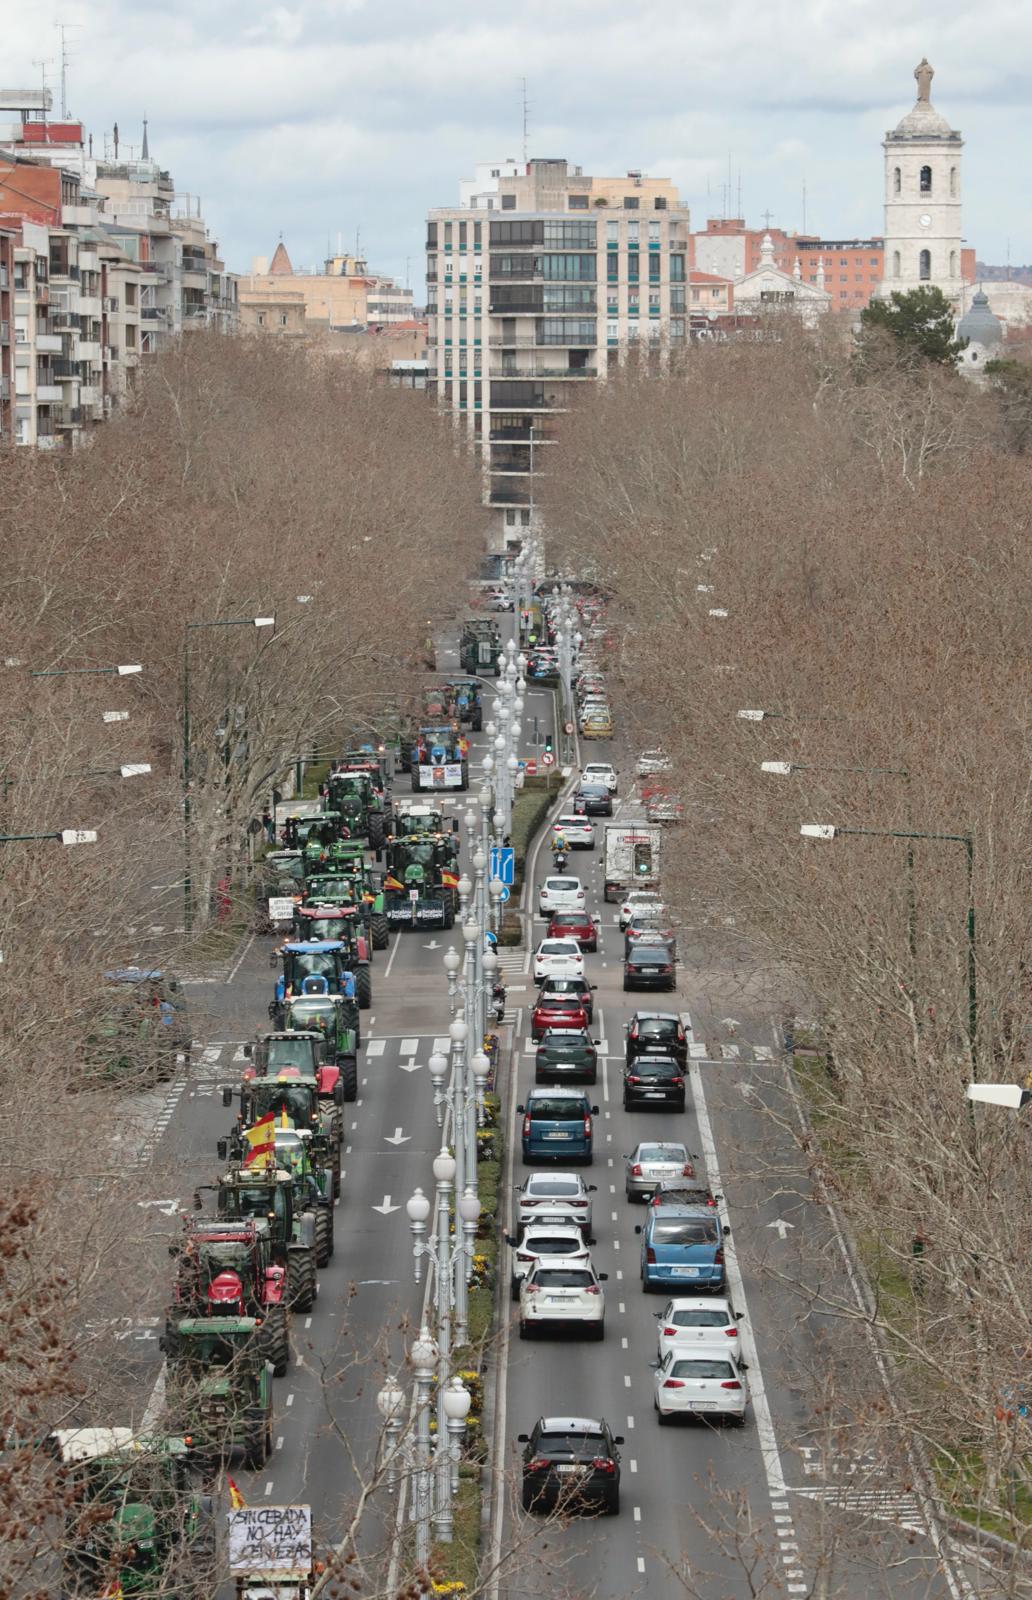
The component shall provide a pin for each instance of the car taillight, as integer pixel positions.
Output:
(521, 1255)
(587, 1126)
(539, 1464)
(688, 1171)
(667, 968)
(732, 1333)
(718, 1257)
(650, 1256)
(603, 1464)
(670, 1331)
(634, 1031)
(633, 1080)
(673, 1383)
(636, 1170)
(530, 1288)
(593, 1288)
(526, 1127)
(730, 1383)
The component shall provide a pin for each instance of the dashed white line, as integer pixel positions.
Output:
(637, 1513)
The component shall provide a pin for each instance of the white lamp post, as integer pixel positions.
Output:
(390, 1401)
(424, 1358)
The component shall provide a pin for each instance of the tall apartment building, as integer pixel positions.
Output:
(538, 282)
(8, 241)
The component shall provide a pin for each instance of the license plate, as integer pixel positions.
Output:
(570, 1469)
(703, 1405)
(685, 1272)
(654, 1094)
(558, 1136)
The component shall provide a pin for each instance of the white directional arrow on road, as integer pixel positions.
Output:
(782, 1226)
(410, 1066)
(386, 1209)
(397, 1137)
(168, 1208)
(433, 945)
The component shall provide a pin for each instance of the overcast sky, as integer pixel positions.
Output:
(338, 116)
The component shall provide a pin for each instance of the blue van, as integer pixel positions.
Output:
(557, 1126)
(682, 1249)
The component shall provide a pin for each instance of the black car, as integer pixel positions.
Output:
(657, 1033)
(571, 1462)
(571, 986)
(649, 966)
(654, 1081)
(593, 800)
(566, 1053)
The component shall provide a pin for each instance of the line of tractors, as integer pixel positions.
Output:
(141, 1520)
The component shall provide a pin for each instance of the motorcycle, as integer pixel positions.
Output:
(559, 861)
(498, 997)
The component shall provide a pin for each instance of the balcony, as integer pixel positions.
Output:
(153, 313)
(545, 340)
(194, 277)
(70, 417)
(538, 370)
(520, 436)
(110, 302)
(89, 350)
(47, 393)
(90, 395)
(88, 261)
(49, 344)
(64, 368)
(509, 497)
(549, 402)
(90, 305)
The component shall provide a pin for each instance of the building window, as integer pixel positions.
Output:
(508, 202)
(953, 263)
(953, 183)
(874, 261)
(510, 519)
(925, 183)
(654, 263)
(524, 519)
(677, 269)
(895, 264)
(462, 236)
(261, 319)
(612, 330)
(612, 234)
(924, 264)
(659, 203)
(630, 202)
(632, 234)
(130, 294)
(577, 202)
(447, 235)
(677, 298)
(897, 180)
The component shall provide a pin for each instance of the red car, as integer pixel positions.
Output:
(574, 925)
(557, 1011)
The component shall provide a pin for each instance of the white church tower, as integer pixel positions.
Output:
(922, 199)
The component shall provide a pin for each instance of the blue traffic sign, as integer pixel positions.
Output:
(504, 896)
(503, 864)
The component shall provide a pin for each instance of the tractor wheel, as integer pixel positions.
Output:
(323, 1236)
(303, 1287)
(449, 914)
(364, 988)
(478, 722)
(415, 782)
(376, 831)
(335, 1169)
(349, 1077)
(274, 1338)
(380, 929)
(258, 1445)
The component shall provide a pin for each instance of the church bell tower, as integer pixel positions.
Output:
(923, 233)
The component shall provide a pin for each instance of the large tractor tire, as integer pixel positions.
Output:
(478, 722)
(335, 1170)
(349, 1077)
(380, 929)
(258, 1446)
(415, 781)
(323, 1236)
(449, 914)
(274, 1338)
(376, 832)
(304, 1288)
(364, 988)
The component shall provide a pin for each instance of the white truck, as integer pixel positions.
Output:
(631, 858)
(270, 1552)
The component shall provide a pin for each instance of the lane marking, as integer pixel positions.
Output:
(375, 1047)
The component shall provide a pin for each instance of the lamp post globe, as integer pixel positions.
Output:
(452, 959)
(470, 931)
(481, 1064)
(390, 1398)
(457, 1400)
(464, 886)
(479, 860)
(458, 1032)
(444, 1167)
(499, 821)
(418, 1207)
(424, 1351)
(489, 962)
(438, 1065)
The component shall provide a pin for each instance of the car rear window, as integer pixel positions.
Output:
(580, 1444)
(655, 1067)
(559, 947)
(661, 1152)
(555, 1186)
(555, 1110)
(567, 919)
(658, 1028)
(563, 1277)
(684, 1230)
(702, 1369)
(558, 1245)
(649, 956)
(566, 885)
(700, 1317)
(566, 987)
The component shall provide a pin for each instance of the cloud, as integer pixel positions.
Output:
(317, 115)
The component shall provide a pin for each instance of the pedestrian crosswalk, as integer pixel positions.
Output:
(718, 1050)
(885, 1503)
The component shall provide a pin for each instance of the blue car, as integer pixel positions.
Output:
(557, 1126)
(682, 1249)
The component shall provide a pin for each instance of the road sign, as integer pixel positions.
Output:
(531, 769)
(504, 895)
(547, 759)
(568, 726)
(503, 864)
(281, 908)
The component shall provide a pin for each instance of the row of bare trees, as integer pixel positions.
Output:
(245, 477)
(852, 557)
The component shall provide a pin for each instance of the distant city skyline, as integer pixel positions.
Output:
(318, 119)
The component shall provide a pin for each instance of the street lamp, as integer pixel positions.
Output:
(84, 672)
(825, 832)
(1009, 1095)
(219, 622)
(389, 1402)
(785, 769)
(66, 836)
(423, 1355)
(457, 1401)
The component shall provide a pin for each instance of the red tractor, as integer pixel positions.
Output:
(226, 1270)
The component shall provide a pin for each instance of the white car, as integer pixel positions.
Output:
(701, 1383)
(544, 1240)
(577, 831)
(651, 761)
(639, 900)
(685, 1324)
(558, 958)
(600, 772)
(554, 1197)
(560, 894)
(557, 1292)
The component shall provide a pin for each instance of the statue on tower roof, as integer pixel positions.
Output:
(924, 75)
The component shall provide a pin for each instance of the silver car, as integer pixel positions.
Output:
(555, 1197)
(652, 1161)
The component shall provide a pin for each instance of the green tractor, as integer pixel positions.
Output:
(480, 647)
(265, 1195)
(305, 1154)
(319, 1045)
(124, 1046)
(312, 833)
(420, 882)
(296, 1097)
(336, 1018)
(353, 793)
(219, 1381)
(351, 885)
(137, 1522)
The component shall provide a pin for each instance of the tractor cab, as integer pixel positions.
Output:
(467, 701)
(320, 827)
(265, 1198)
(298, 1051)
(322, 960)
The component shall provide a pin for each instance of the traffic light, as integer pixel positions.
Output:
(548, 744)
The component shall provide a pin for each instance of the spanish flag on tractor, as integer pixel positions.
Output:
(391, 882)
(449, 879)
(236, 1499)
(261, 1142)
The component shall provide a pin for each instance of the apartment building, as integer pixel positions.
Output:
(539, 283)
(8, 241)
(343, 296)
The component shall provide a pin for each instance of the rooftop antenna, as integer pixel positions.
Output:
(804, 202)
(729, 191)
(62, 28)
(43, 63)
(739, 211)
(526, 119)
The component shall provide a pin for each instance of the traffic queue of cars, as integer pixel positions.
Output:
(554, 1280)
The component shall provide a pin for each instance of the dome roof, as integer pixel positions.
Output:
(980, 325)
(922, 121)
